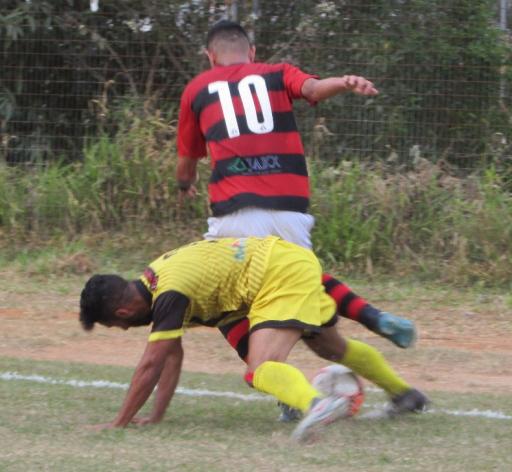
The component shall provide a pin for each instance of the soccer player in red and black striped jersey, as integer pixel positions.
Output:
(241, 111)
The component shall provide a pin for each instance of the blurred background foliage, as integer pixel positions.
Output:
(442, 68)
(417, 180)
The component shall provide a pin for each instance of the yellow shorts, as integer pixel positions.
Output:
(292, 294)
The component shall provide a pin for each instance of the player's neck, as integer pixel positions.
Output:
(231, 60)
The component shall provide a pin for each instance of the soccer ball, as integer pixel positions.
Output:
(340, 381)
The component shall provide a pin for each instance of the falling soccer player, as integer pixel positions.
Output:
(276, 286)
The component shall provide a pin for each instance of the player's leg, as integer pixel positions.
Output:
(291, 298)
(268, 373)
(398, 330)
(361, 358)
(369, 363)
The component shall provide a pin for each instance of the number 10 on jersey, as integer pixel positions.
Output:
(266, 125)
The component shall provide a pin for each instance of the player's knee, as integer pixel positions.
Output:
(330, 350)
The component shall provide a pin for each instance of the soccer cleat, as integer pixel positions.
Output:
(399, 331)
(323, 411)
(288, 414)
(411, 401)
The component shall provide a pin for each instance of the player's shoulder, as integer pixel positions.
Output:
(197, 83)
(284, 71)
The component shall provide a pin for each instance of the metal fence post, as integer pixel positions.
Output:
(504, 28)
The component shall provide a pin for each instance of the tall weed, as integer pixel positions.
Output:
(124, 182)
(424, 221)
(370, 219)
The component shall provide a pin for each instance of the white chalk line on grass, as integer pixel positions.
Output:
(123, 386)
(497, 415)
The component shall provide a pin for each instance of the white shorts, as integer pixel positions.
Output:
(289, 225)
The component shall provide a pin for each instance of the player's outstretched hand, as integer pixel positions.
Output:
(359, 85)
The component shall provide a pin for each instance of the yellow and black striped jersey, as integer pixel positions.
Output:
(208, 282)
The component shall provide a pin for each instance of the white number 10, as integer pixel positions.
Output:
(251, 116)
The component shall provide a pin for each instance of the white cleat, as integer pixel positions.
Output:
(323, 411)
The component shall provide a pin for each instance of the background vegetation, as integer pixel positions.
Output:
(369, 218)
(414, 182)
(443, 69)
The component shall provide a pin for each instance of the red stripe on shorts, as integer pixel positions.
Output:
(238, 332)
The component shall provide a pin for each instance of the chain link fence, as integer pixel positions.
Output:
(74, 70)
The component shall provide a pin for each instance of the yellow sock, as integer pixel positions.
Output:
(366, 361)
(286, 383)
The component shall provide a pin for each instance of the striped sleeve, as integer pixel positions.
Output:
(190, 141)
(168, 315)
(294, 78)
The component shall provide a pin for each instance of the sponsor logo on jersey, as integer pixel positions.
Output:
(252, 165)
(151, 277)
(240, 246)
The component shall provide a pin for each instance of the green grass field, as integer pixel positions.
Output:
(464, 334)
(43, 428)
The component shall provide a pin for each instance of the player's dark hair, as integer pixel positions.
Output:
(101, 296)
(226, 30)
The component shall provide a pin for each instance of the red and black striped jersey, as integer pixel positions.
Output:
(244, 114)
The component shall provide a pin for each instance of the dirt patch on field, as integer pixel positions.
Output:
(457, 350)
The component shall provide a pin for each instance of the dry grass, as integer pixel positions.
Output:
(424, 220)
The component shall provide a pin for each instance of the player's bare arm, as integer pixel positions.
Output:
(166, 387)
(186, 176)
(186, 172)
(145, 378)
(315, 90)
